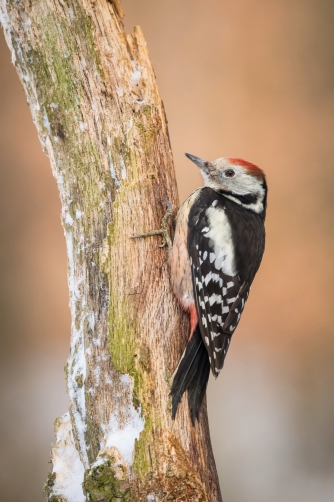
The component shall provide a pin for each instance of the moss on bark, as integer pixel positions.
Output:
(107, 482)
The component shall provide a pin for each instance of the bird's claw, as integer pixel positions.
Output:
(163, 231)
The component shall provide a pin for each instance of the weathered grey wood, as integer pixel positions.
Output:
(100, 119)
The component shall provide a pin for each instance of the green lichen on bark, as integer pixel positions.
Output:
(107, 482)
(52, 72)
(123, 328)
(144, 450)
(122, 335)
(48, 489)
(127, 356)
(60, 91)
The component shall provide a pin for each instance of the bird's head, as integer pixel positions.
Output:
(237, 179)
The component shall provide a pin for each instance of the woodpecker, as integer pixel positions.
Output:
(217, 249)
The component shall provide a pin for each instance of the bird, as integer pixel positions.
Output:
(217, 249)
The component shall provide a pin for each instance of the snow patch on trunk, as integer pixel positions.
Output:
(123, 437)
(124, 427)
(77, 359)
(67, 465)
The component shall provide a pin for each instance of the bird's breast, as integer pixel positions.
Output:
(179, 259)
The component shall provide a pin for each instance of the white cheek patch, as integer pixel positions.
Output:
(244, 184)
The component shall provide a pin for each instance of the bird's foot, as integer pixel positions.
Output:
(163, 231)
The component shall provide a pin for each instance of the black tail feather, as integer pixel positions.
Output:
(198, 385)
(192, 374)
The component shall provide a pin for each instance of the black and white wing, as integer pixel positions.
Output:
(219, 293)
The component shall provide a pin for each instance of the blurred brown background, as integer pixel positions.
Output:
(241, 78)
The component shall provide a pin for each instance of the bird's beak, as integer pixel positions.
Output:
(202, 164)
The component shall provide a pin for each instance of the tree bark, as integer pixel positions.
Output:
(94, 100)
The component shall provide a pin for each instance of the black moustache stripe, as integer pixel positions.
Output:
(247, 199)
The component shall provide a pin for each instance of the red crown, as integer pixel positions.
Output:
(247, 165)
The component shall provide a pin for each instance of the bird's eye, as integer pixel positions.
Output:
(229, 173)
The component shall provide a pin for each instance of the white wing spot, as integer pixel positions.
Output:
(230, 300)
(198, 283)
(206, 298)
(207, 341)
(218, 350)
(212, 257)
(205, 229)
(204, 322)
(207, 278)
(212, 299)
(230, 284)
(226, 310)
(215, 202)
(214, 355)
(224, 291)
(205, 254)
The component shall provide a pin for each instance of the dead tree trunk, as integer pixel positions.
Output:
(100, 119)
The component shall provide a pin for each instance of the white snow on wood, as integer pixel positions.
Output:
(123, 170)
(46, 122)
(91, 320)
(113, 173)
(67, 465)
(136, 75)
(77, 359)
(96, 342)
(124, 427)
(68, 219)
(97, 373)
(71, 13)
(123, 437)
(5, 22)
